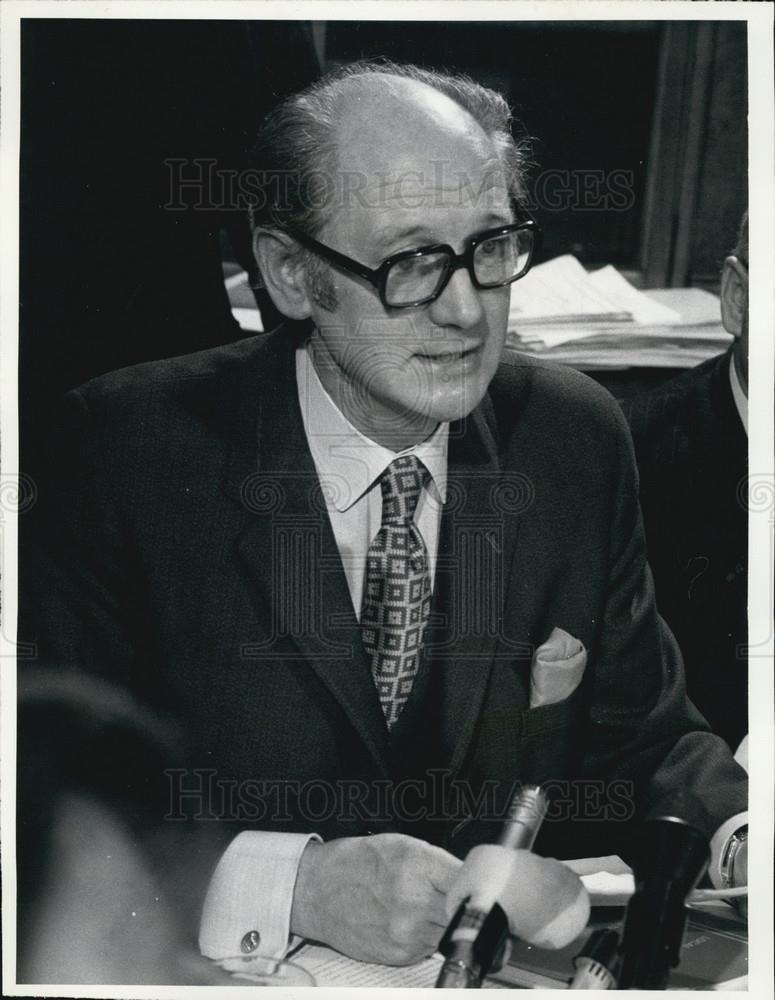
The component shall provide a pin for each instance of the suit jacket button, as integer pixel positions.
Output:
(249, 942)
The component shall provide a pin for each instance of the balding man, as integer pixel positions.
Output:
(379, 573)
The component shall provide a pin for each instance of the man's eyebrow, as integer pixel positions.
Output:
(498, 219)
(395, 234)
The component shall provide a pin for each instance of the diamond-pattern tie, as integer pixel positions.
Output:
(397, 597)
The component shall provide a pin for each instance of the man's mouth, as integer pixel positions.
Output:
(447, 357)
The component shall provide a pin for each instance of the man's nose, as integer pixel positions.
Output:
(460, 303)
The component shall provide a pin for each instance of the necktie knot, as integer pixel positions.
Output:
(401, 484)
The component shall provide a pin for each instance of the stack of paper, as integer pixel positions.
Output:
(558, 293)
(599, 320)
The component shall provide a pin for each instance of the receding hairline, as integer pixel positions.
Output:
(302, 137)
(397, 87)
(391, 119)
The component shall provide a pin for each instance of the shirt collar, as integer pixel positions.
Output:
(740, 398)
(349, 463)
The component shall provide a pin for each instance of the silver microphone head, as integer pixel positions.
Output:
(523, 820)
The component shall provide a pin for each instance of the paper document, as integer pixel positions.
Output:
(643, 308)
(694, 306)
(560, 291)
(332, 969)
(554, 317)
(329, 968)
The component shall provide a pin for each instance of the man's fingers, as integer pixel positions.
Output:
(440, 868)
(393, 908)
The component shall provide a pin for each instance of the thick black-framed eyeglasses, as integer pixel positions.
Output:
(411, 278)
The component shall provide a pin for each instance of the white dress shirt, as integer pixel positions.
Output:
(250, 895)
(738, 394)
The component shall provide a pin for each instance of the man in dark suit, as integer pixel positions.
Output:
(331, 553)
(692, 451)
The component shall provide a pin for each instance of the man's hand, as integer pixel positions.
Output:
(378, 899)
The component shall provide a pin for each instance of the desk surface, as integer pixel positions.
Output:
(715, 955)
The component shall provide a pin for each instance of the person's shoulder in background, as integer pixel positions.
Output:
(670, 423)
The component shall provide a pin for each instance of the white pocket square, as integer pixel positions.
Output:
(557, 668)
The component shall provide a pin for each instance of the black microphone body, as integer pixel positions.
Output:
(673, 861)
(475, 941)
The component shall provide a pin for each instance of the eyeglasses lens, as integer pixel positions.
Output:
(502, 259)
(415, 278)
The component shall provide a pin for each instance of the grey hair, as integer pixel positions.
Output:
(295, 155)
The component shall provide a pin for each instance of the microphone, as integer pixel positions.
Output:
(597, 962)
(674, 858)
(503, 888)
(476, 937)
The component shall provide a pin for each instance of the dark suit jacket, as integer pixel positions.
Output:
(692, 454)
(189, 556)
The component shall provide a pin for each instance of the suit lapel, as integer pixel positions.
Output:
(476, 544)
(289, 551)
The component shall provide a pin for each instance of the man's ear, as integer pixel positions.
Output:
(734, 295)
(280, 262)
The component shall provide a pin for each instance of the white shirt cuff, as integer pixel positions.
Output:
(250, 895)
(718, 843)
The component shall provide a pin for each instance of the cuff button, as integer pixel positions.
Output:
(249, 942)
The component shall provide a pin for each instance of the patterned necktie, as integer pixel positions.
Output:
(397, 598)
